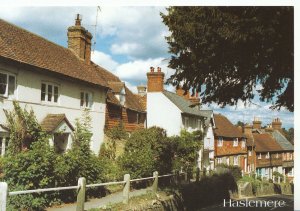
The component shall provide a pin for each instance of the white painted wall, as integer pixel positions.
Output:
(28, 93)
(163, 113)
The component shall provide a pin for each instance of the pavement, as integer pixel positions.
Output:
(100, 202)
(288, 204)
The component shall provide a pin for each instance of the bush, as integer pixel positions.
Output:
(117, 133)
(234, 170)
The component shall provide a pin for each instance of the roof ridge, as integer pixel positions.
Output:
(37, 35)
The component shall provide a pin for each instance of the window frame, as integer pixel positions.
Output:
(87, 104)
(235, 142)
(259, 156)
(236, 160)
(268, 155)
(220, 141)
(250, 153)
(8, 74)
(243, 143)
(46, 97)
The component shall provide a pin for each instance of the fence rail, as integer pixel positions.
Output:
(81, 188)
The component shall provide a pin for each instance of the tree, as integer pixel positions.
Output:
(232, 51)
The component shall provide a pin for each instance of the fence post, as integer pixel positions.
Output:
(81, 194)
(155, 182)
(126, 188)
(3, 195)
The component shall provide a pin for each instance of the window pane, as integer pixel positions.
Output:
(11, 85)
(3, 83)
(86, 100)
(43, 92)
(49, 93)
(90, 100)
(55, 94)
(81, 99)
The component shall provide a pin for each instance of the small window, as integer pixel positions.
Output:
(86, 100)
(243, 143)
(235, 160)
(277, 155)
(199, 124)
(250, 153)
(7, 84)
(220, 141)
(49, 92)
(259, 156)
(235, 142)
(268, 155)
(186, 122)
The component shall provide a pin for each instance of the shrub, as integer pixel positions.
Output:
(234, 170)
(117, 132)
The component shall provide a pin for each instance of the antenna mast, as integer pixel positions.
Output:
(95, 27)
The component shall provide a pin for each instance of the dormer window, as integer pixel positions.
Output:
(235, 142)
(7, 84)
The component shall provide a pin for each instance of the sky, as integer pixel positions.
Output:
(127, 41)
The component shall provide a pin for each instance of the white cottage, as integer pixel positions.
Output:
(176, 111)
(57, 83)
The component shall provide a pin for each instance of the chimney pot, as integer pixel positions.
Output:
(78, 20)
(151, 69)
(158, 69)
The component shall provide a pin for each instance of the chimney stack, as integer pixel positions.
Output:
(247, 129)
(155, 80)
(181, 92)
(276, 124)
(79, 40)
(256, 123)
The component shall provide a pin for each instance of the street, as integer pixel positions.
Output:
(288, 204)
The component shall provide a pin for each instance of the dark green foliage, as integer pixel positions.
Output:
(23, 128)
(117, 132)
(289, 134)
(235, 49)
(235, 171)
(208, 191)
(149, 150)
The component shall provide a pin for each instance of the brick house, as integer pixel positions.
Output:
(230, 143)
(268, 149)
(123, 107)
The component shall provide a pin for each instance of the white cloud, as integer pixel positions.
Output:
(124, 48)
(104, 60)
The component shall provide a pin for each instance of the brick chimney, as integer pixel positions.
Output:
(269, 128)
(180, 91)
(79, 40)
(142, 90)
(155, 80)
(247, 129)
(256, 123)
(276, 124)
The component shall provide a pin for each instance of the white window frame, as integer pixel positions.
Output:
(86, 104)
(220, 141)
(228, 161)
(236, 160)
(199, 124)
(7, 84)
(250, 153)
(243, 142)
(277, 155)
(259, 156)
(235, 142)
(268, 155)
(219, 160)
(47, 84)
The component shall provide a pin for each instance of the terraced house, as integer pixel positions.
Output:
(58, 83)
(230, 143)
(269, 150)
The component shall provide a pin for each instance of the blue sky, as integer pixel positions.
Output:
(128, 41)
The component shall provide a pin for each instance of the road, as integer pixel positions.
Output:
(288, 204)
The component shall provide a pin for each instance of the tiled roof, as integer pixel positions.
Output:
(52, 121)
(282, 141)
(116, 86)
(27, 48)
(186, 106)
(132, 101)
(225, 128)
(265, 143)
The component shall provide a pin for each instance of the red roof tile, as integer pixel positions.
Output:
(265, 143)
(225, 128)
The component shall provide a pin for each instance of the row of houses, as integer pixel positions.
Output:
(59, 84)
